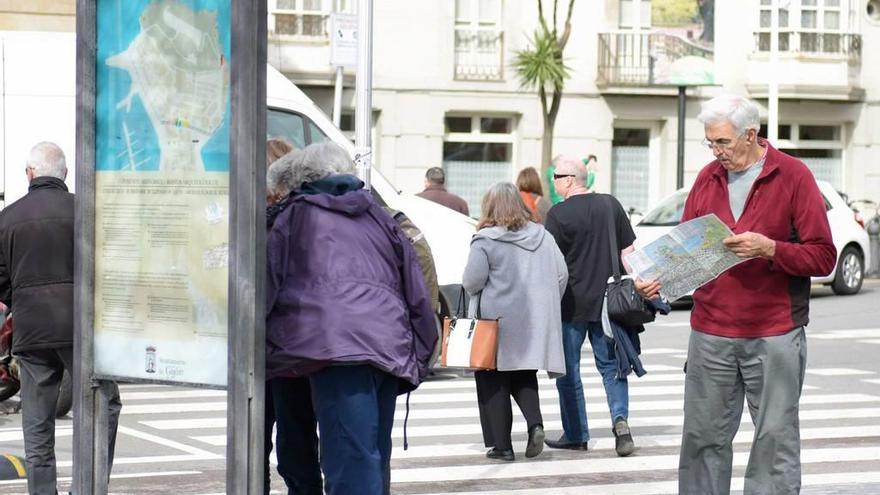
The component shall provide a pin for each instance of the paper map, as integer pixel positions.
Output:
(687, 257)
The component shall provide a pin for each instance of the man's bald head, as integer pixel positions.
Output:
(566, 165)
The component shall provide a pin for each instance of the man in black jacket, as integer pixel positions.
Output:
(36, 282)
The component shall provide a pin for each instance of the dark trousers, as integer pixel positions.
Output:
(289, 409)
(40, 375)
(355, 410)
(494, 389)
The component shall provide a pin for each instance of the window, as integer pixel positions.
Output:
(627, 14)
(479, 40)
(477, 152)
(630, 174)
(295, 128)
(304, 18)
(807, 26)
(818, 146)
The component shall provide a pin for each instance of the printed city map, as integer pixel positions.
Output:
(687, 257)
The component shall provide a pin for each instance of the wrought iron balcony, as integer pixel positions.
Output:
(844, 46)
(479, 54)
(646, 59)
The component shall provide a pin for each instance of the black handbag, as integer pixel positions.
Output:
(624, 304)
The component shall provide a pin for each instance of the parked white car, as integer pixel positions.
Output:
(850, 238)
(292, 115)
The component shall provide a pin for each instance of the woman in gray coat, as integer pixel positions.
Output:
(516, 273)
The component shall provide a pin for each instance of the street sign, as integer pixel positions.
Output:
(343, 39)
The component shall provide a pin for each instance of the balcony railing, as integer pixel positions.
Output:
(846, 46)
(644, 59)
(479, 54)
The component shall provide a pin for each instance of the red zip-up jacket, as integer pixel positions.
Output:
(764, 297)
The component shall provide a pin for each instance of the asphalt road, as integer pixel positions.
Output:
(172, 439)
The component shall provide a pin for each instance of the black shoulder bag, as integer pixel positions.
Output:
(625, 305)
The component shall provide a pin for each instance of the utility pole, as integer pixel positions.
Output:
(364, 91)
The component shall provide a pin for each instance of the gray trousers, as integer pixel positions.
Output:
(40, 373)
(769, 374)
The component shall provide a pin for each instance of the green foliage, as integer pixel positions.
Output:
(673, 12)
(541, 63)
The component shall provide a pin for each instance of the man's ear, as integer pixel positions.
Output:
(65, 174)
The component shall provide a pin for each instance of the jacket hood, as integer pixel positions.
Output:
(529, 238)
(340, 193)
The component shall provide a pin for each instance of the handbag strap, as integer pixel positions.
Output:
(460, 312)
(612, 242)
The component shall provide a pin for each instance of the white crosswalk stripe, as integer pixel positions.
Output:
(446, 454)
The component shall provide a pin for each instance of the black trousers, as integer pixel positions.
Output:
(289, 409)
(494, 389)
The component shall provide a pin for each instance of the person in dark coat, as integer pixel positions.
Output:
(348, 307)
(435, 190)
(36, 282)
(288, 407)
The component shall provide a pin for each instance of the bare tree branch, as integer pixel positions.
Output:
(567, 32)
(555, 7)
(541, 18)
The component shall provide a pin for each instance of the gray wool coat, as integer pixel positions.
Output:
(520, 277)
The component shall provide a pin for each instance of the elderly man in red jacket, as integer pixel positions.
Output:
(748, 337)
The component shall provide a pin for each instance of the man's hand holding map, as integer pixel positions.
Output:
(690, 255)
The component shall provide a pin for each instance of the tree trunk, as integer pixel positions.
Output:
(546, 151)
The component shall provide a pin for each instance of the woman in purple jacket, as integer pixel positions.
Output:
(348, 307)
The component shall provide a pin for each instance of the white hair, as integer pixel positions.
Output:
(47, 159)
(314, 162)
(739, 111)
(327, 158)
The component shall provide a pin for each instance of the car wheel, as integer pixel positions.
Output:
(850, 272)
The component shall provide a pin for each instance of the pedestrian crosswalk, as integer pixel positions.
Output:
(180, 430)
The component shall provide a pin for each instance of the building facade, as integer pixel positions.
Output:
(445, 93)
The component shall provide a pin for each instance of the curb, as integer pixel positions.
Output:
(11, 467)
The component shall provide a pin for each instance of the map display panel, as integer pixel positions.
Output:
(162, 190)
(687, 257)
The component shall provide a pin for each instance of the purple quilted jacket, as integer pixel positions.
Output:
(344, 287)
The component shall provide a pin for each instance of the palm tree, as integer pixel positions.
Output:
(541, 66)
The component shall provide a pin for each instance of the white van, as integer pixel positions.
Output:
(38, 103)
(292, 115)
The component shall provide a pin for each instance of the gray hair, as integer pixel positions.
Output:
(47, 159)
(739, 111)
(436, 175)
(314, 162)
(280, 176)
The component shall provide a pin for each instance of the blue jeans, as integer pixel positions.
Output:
(354, 406)
(571, 390)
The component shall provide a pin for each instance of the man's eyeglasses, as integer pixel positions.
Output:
(719, 144)
(561, 176)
